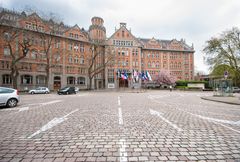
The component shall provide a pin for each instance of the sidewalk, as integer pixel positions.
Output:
(227, 100)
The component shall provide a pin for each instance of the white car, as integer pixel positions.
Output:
(8, 97)
(39, 90)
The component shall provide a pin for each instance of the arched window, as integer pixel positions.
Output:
(26, 79)
(82, 59)
(70, 60)
(81, 81)
(149, 64)
(76, 59)
(157, 64)
(41, 79)
(153, 64)
(6, 79)
(70, 80)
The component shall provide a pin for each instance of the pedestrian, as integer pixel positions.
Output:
(170, 87)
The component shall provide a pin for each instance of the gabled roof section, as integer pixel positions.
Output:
(76, 30)
(123, 34)
(34, 16)
(158, 44)
(152, 43)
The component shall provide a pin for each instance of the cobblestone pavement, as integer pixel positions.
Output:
(118, 126)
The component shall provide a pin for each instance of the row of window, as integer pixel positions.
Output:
(122, 43)
(72, 80)
(25, 79)
(125, 53)
(153, 64)
(76, 59)
(78, 47)
(33, 26)
(76, 36)
(175, 65)
(4, 65)
(40, 80)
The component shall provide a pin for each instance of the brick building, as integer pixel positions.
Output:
(72, 48)
(152, 55)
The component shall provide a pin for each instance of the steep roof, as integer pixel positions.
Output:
(165, 44)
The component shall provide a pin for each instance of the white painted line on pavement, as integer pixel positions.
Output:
(120, 118)
(51, 124)
(51, 102)
(122, 152)
(216, 120)
(70, 113)
(228, 127)
(23, 109)
(119, 102)
(153, 112)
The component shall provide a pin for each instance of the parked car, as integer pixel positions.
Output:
(39, 90)
(8, 97)
(235, 90)
(67, 90)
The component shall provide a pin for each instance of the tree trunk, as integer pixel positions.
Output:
(48, 72)
(47, 77)
(90, 83)
(14, 76)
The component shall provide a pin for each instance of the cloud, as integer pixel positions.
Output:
(194, 20)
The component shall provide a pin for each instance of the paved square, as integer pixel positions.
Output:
(120, 126)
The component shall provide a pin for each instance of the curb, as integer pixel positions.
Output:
(232, 103)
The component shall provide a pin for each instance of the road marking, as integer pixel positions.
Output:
(216, 121)
(122, 151)
(51, 124)
(120, 118)
(23, 109)
(153, 112)
(51, 102)
(228, 127)
(119, 102)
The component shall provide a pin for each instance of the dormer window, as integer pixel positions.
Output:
(71, 35)
(123, 33)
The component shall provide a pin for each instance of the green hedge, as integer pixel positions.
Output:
(181, 87)
(185, 83)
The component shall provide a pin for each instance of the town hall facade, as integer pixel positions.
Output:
(73, 48)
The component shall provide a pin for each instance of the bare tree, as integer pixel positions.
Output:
(11, 35)
(47, 37)
(98, 60)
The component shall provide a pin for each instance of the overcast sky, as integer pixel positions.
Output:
(194, 20)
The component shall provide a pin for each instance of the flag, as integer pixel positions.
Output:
(143, 76)
(118, 74)
(125, 74)
(136, 74)
(148, 76)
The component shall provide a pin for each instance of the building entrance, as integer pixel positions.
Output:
(57, 82)
(123, 83)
